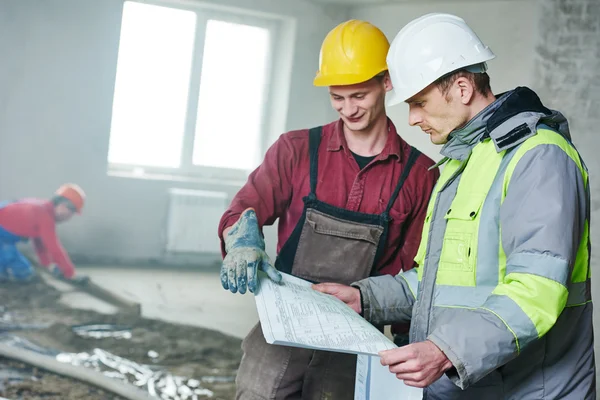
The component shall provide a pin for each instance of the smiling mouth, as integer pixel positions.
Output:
(354, 119)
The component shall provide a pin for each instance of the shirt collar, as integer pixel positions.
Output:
(393, 146)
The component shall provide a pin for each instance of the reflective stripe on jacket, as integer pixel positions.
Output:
(503, 284)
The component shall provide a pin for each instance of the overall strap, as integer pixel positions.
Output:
(314, 140)
(414, 154)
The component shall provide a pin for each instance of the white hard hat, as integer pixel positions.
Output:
(430, 47)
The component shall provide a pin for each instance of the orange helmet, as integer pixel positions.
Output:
(74, 194)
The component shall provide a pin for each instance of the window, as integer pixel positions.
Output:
(151, 89)
(191, 90)
(233, 75)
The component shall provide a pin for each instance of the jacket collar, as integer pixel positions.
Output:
(461, 141)
(508, 121)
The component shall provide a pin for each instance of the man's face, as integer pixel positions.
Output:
(436, 114)
(360, 105)
(63, 212)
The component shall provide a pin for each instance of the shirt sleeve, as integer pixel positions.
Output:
(41, 252)
(268, 189)
(56, 252)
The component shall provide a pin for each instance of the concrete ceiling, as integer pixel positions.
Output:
(359, 2)
(373, 2)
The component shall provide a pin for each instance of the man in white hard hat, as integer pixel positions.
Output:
(500, 304)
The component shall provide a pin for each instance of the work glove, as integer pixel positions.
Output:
(80, 280)
(245, 249)
(77, 279)
(56, 272)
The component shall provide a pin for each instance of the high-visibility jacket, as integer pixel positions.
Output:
(503, 282)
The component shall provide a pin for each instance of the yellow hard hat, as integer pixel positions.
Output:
(352, 52)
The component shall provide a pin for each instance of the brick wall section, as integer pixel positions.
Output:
(567, 78)
(567, 67)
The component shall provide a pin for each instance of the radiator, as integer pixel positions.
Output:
(192, 221)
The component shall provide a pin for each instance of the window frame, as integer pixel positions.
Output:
(187, 169)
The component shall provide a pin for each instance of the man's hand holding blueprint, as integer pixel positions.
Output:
(293, 314)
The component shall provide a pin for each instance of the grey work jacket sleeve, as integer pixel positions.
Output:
(388, 299)
(542, 220)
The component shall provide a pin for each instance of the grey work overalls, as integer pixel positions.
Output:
(329, 244)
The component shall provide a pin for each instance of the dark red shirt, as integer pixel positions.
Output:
(34, 219)
(276, 188)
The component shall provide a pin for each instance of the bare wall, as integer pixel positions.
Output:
(57, 78)
(567, 77)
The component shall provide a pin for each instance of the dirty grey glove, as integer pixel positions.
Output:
(77, 279)
(81, 280)
(245, 249)
(56, 272)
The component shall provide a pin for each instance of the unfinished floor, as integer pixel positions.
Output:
(167, 350)
(183, 296)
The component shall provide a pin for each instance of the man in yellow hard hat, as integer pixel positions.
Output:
(36, 219)
(351, 198)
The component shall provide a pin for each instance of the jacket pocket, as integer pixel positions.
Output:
(458, 258)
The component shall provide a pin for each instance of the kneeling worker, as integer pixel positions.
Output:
(36, 219)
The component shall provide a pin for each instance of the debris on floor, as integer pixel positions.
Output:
(157, 382)
(168, 360)
(100, 331)
(20, 381)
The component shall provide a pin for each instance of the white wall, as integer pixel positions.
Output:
(57, 78)
(508, 27)
(56, 85)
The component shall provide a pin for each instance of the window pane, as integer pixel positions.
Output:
(153, 74)
(232, 94)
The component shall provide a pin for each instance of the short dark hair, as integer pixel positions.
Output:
(481, 81)
(380, 76)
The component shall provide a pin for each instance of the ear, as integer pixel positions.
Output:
(387, 82)
(464, 89)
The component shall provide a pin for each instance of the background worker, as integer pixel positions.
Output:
(350, 197)
(500, 304)
(36, 219)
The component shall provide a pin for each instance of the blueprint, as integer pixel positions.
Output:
(293, 314)
(375, 382)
